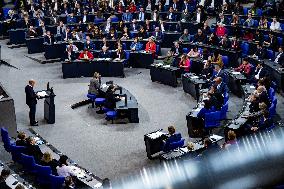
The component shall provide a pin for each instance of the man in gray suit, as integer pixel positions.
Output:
(95, 84)
(61, 28)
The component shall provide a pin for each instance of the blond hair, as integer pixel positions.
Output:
(46, 157)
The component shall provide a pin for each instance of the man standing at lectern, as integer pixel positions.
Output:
(31, 101)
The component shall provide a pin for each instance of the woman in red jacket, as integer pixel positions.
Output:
(151, 46)
(86, 55)
(221, 30)
(184, 63)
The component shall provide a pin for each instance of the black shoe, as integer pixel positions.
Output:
(34, 124)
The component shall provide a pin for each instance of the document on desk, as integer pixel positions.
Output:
(42, 93)
(197, 109)
(155, 134)
(216, 137)
(236, 73)
(167, 66)
(194, 77)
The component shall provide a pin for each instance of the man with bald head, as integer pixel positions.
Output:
(31, 101)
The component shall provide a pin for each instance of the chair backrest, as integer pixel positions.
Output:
(185, 50)
(43, 172)
(272, 110)
(280, 41)
(212, 119)
(127, 55)
(259, 12)
(56, 181)
(158, 50)
(245, 48)
(5, 139)
(177, 144)
(271, 93)
(226, 98)
(255, 23)
(16, 152)
(274, 100)
(224, 110)
(245, 9)
(270, 54)
(28, 162)
(225, 60)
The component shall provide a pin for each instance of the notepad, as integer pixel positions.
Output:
(42, 93)
(167, 66)
(252, 87)
(194, 77)
(216, 137)
(236, 73)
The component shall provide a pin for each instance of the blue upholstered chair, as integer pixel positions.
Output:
(111, 115)
(185, 50)
(28, 163)
(272, 110)
(43, 174)
(271, 93)
(245, 9)
(270, 54)
(225, 60)
(92, 97)
(224, 110)
(212, 120)
(177, 144)
(56, 181)
(16, 152)
(259, 12)
(226, 98)
(280, 41)
(6, 139)
(245, 49)
(100, 102)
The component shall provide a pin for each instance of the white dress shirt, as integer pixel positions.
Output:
(64, 171)
(277, 57)
(257, 75)
(198, 17)
(275, 26)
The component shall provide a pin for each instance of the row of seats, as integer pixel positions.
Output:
(43, 173)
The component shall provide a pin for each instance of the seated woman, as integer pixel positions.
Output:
(232, 140)
(111, 98)
(47, 160)
(95, 84)
(86, 55)
(172, 137)
(206, 109)
(151, 46)
(207, 69)
(193, 53)
(169, 59)
(119, 53)
(112, 34)
(125, 33)
(63, 169)
(184, 63)
(217, 59)
(21, 141)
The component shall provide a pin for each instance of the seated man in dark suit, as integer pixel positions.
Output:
(263, 96)
(264, 122)
(260, 72)
(32, 32)
(157, 33)
(104, 53)
(89, 44)
(111, 98)
(260, 52)
(221, 87)
(21, 141)
(199, 37)
(33, 149)
(71, 19)
(216, 99)
(5, 173)
(173, 137)
(176, 49)
(218, 72)
(48, 38)
(279, 58)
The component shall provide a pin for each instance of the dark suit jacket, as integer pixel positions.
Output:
(260, 53)
(104, 55)
(202, 17)
(199, 38)
(3, 184)
(220, 74)
(31, 98)
(48, 41)
(173, 49)
(111, 100)
(262, 73)
(222, 89)
(21, 143)
(263, 97)
(90, 46)
(266, 124)
(34, 150)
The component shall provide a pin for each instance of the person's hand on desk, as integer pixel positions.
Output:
(254, 128)
(122, 98)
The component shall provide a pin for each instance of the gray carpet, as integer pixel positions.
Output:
(107, 150)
